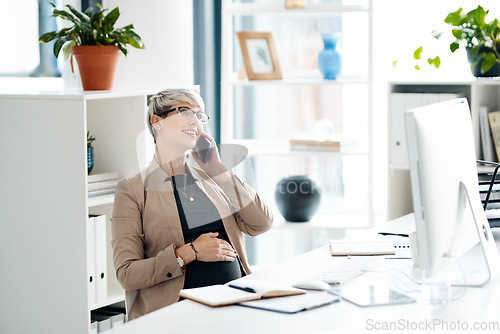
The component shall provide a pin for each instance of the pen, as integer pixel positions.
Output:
(323, 303)
(396, 234)
(247, 289)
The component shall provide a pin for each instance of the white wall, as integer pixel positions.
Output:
(165, 26)
(400, 27)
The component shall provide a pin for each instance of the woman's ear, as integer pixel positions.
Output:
(154, 120)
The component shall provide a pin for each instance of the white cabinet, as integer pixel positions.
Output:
(264, 115)
(405, 95)
(44, 204)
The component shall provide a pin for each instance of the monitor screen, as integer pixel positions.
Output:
(442, 155)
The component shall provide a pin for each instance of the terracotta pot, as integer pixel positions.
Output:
(97, 65)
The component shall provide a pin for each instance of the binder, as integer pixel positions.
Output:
(93, 327)
(117, 317)
(101, 258)
(103, 321)
(91, 277)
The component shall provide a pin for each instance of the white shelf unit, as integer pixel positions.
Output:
(479, 92)
(351, 116)
(279, 8)
(44, 201)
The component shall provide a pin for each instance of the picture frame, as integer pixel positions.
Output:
(259, 55)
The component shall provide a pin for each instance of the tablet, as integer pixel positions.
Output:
(371, 295)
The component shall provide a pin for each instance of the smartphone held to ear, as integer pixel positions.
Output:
(202, 149)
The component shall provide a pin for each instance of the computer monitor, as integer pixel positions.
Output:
(449, 216)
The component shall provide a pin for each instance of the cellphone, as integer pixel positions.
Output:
(203, 148)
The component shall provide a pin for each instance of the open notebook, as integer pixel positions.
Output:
(236, 292)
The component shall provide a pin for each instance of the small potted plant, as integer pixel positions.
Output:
(481, 40)
(90, 152)
(94, 41)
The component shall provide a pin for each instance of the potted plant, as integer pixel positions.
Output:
(480, 38)
(90, 152)
(94, 41)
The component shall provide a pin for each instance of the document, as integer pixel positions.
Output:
(344, 248)
(239, 291)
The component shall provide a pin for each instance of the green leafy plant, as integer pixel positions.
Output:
(473, 32)
(90, 139)
(91, 27)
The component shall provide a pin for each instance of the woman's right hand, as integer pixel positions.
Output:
(212, 249)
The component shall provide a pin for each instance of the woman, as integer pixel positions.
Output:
(175, 226)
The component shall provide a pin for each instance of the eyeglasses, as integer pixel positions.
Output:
(188, 113)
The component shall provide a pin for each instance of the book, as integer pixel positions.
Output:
(102, 177)
(310, 144)
(494, 118)
(101, 192)
(485, 133)
(346, 248)
(102, 185)
(237, 292)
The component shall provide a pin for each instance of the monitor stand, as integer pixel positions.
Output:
(488, 249)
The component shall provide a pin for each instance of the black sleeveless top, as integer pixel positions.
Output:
(198, 217)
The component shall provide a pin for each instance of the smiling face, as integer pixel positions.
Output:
(176, 130)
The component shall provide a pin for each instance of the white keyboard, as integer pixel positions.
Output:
(348, 269)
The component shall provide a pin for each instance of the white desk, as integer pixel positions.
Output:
(478, 306)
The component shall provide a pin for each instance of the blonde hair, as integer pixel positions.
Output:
(165, 99)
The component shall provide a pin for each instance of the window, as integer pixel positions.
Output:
(23, 55)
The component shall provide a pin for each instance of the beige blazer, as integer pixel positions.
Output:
(146, 229)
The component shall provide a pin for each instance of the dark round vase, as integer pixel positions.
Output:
(297, 197)
(476, 71)
(90, 159)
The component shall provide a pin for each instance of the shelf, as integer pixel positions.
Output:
(313, 9)
(113, 299)
(325, 222)
(487, 81)
(310, 80)
(282, 148)
(346, 101)
(79, 94)
(100, 200)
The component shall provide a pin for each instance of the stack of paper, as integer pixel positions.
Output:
(347, 247)
(101, 184)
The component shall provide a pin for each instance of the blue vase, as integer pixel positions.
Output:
(329, 59)
(90, 159)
